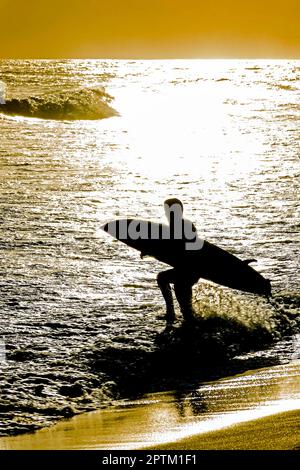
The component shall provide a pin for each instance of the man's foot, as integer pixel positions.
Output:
(189, 318)
(170, 319)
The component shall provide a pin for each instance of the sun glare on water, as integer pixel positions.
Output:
(184, 126)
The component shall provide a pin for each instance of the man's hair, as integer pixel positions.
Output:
(173, 201)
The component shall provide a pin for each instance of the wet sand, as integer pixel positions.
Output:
(277, 432)
(258, 409)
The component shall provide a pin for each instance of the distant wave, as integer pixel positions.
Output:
(282, 86)
(85, 103)
(223, 79)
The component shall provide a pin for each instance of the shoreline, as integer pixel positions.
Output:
(276, 432)
(229, 413)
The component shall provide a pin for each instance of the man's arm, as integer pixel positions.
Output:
(192, 241)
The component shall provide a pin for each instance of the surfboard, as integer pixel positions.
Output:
(210, 262)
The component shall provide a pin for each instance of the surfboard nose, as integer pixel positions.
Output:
(116, 228)
(104, 227)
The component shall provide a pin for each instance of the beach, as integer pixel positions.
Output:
(254, 410)
(278, 432)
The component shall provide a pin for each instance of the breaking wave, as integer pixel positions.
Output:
(81, 104)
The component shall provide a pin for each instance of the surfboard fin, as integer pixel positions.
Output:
(252, 260)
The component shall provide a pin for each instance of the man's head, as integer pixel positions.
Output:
(173, 209)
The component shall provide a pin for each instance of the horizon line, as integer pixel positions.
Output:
(153, 58)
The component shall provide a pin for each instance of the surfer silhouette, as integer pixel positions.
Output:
(183, 237)
(178, 245)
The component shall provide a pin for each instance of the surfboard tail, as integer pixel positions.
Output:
(264, 287)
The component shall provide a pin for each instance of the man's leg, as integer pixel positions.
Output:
(163, 280)
(184, 295)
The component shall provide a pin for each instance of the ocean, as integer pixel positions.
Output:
(83, 142)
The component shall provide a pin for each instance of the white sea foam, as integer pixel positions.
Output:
(2, 351)
(2, 92)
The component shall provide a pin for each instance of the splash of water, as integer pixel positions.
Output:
(250, 311)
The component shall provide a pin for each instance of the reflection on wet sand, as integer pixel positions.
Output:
(167, 417)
